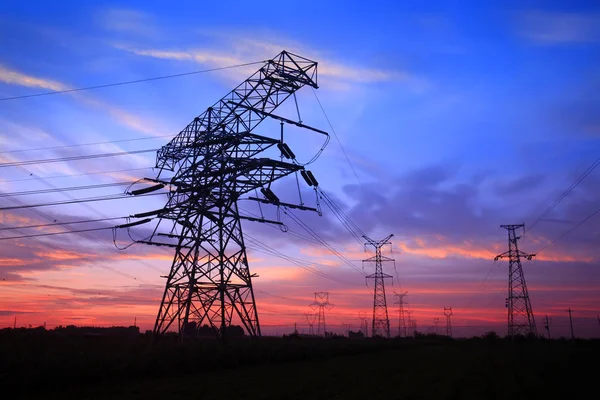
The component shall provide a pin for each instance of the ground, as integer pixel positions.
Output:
(473, 369)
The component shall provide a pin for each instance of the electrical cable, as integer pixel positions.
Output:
(74, 175)
(85, 144)
(75, 158)
(131, 82)
(311, 232)
(63, 189)
(569, 231)
(53, 233)
(269, 250)
(84, 200)
(10, 228)
(336, 137)
(566, 193)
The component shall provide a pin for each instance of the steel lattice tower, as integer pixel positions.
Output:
(207, 167)
(401, 319)
(364, 324)
(321, 302)
(381, 322)
(310, 319)
(520, 313)
(448, 314)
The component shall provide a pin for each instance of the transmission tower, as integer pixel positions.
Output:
(436, 321)
(207, 167)
(401, 320)
(448, 314)
(321, 302)
(547, 325)
(411, 324)
(381, 322)
(520, 313)
(310, 319)
(364, 324)
(571, 323)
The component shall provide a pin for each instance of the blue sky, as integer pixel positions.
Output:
(457, 117)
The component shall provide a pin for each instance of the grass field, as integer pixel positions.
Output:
(328, 369)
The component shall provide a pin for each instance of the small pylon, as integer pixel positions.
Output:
(520, 313)
(381, 322)
(448, 314)
(436, 321)
(310, 319)
(412, 324)
(321, 302)
(364, 324)
(401, 320)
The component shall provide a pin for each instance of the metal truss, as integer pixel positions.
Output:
(381, 322)
(216, 159)
(321, 302)
(520, 313)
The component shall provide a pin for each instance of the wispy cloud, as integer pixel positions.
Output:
(240, 50)
(123, 117)
(13, 77)
(127, 21)
(559, 28)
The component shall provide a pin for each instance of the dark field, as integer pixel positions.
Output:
(298, 368)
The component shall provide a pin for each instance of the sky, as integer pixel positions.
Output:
(447, 120)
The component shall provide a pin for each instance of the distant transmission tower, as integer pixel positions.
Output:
(381, 322)
(448, 314)
(520, 313)
(217, 158)
(310, 319)
(321, 302)
(364, 324)
(412, 324)
(571, 323)
(436, 321)
(547, 325)
(401, 320)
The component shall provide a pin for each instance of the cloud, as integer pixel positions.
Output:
(342, 74)
(127, 21)
(553, 28)
(141, 124)
(13, 77)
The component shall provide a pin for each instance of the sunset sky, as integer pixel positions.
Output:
(456, 118)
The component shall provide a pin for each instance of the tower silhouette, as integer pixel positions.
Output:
(412, 325)
(547, 325)
(571, 323)
(321, 302)
(520, 313)
(436, 321)
(310, 319)
(401, 320)
(217, 158)
(448, 314)
(364, 324)
(381, 322)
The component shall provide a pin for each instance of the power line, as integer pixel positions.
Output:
(566, 192)
(64, 189)
(129, 82)
(85, 144)
(311, 232)
(83, 200)
(84, 234)
(337, 138)
(75, 158)
(271, 251)
(54, 233)
(60, 223)
(569, 231)
(74, 175)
